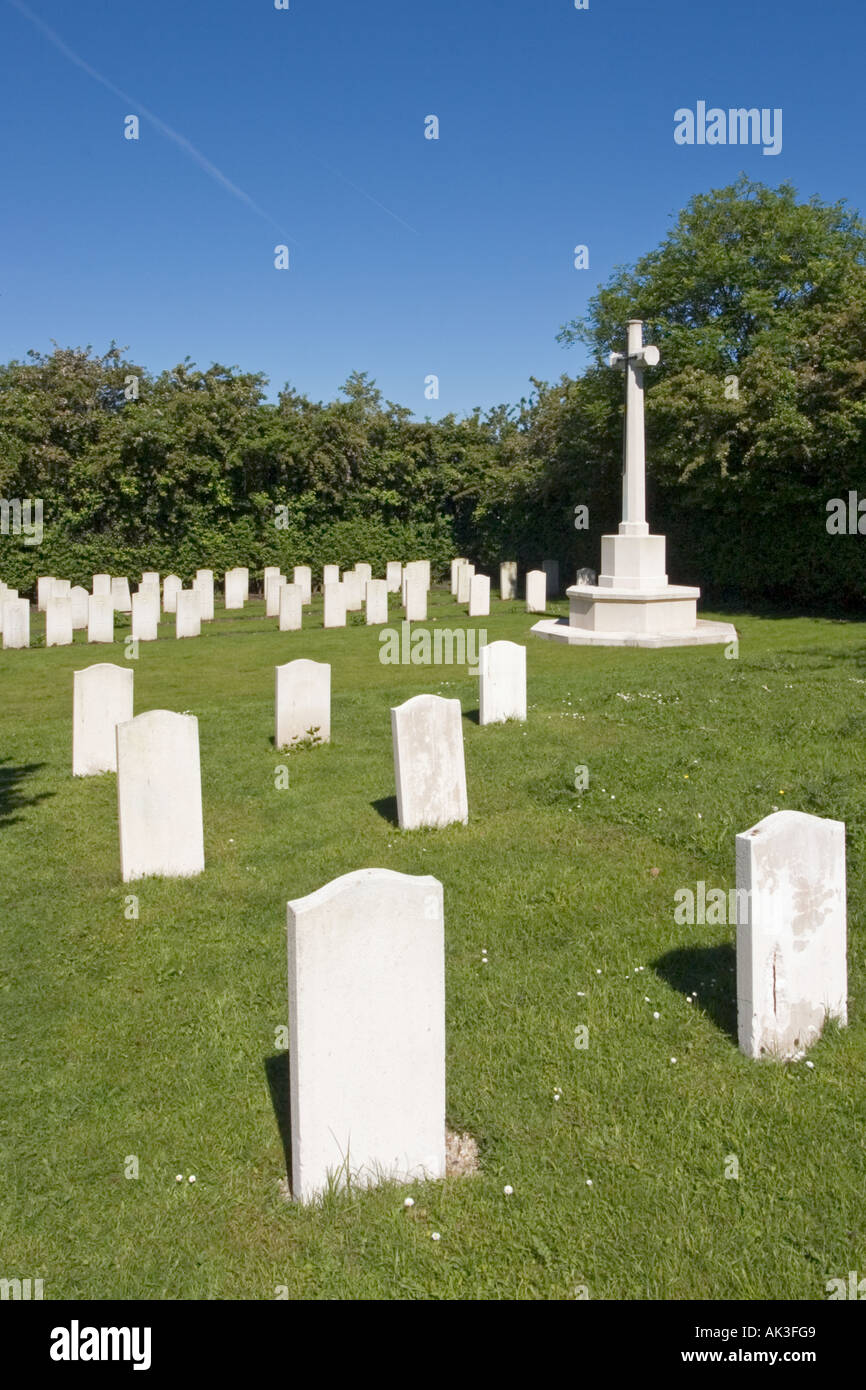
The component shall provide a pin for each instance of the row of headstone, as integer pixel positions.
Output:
(366, 994)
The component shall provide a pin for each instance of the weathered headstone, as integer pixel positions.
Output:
(508, 579)
(376, 599)
(44, 590)
(464, 581)
(80, 599)
(394, 576)
(235, 588)
(145, 614)
(479, 596)
(429, 765)
(335, 606)
(120, 596)
(100, 618)
(102, 699)
(536, 591)
(353, 592)
(203, 586)
(171, 587)
(502, 667)
(16, 622)
(416, 598)
(367, 1032)
(551, 571)
(188, 614)
(792, 970)
(58, 622)
(303, 575)
(159, 796)
(273, 584)
(455, 565)
(302, 705)
(291, 607)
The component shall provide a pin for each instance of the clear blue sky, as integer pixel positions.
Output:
(408, 256)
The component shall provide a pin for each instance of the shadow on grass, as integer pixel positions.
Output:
(387, 808)
(12, 799)
(473, 715)
(277, 1073)
(693, 969)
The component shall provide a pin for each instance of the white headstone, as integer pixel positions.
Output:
(330, 575)
(302, 703)
(551, 573)
(235, 588)
(269, 572)
(243, 571)
(536, 591)
(364, 573)
(479, 596)
(303, 575)
(502, 668)
(376, 598)
(416, 598)
(188, 614)
(150, 577)
(159, 796)
(353, 592)
(58, 622)
(335, 606)
(203, 585)
(80, 598)
(171, 587)
(100, 618)
(101, 586)
(61, 588)
(464, 581)
(44, 590)
(367, 1032)
(145, 614)
(429, 766)
(394, 576)
(455, 565)
(16, 622)
(791, 932)
(291, 607)
(120, 596)
(419, 569)
(102, 699)
(273, 584)
(508, 579)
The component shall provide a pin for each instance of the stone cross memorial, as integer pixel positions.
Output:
(633, 605)
(366, 958)
(792, 972)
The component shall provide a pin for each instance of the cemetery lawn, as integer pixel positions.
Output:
(156, 1041)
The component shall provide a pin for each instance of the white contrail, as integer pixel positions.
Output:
(181, 140)
(166, 130)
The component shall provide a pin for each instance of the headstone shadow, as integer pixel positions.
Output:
(692, 969)
(277, 1075)
(12, 798)
(387, 808)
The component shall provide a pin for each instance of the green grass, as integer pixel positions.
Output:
(156, 1037)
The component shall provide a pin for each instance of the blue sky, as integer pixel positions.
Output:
(408, 257)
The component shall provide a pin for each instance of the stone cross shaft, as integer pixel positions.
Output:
(634, 359)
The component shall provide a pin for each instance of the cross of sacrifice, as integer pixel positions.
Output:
(634, 359)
